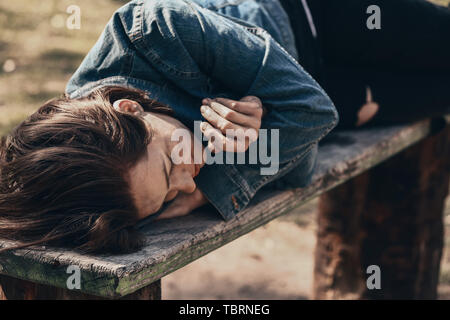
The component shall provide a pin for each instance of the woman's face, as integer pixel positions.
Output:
(155, 179)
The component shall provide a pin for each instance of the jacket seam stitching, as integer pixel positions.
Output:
(139, 41)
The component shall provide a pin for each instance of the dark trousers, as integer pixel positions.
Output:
(406, 63)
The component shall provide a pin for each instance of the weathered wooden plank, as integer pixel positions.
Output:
(171, 244)
(390, 216)
(17, 289)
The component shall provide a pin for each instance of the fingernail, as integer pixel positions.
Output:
(202, 109)
(203, 126)
(206, 110)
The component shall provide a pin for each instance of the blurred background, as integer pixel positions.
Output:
(38, 54)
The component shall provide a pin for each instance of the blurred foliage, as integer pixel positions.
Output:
(38, 53)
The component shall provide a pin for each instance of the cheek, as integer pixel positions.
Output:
(153, 196)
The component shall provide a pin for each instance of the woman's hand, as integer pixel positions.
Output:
(183, 204)
(232, 125)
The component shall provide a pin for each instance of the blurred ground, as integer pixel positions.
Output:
(38, 54)
(272, 262)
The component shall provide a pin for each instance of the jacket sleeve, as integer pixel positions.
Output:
(244, 59)
(247, 61)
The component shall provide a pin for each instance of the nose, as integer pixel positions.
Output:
(183, 182)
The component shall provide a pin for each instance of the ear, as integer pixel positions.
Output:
(129, 106)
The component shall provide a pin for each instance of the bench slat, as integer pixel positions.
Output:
(171, 244)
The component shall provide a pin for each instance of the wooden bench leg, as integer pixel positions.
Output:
(16, 289)
(390, 216)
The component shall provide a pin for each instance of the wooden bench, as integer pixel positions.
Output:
(382, 195)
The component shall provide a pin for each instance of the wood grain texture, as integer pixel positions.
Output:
(17, 289)
(171, 244)
(390, 216)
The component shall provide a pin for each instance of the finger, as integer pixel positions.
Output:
(215, 138)
(217, 120)
(230, 130)
(234, 116)
(234, 131)
(245, 107)
(218, 142)
(249, 105)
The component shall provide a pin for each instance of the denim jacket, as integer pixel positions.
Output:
(181, 51)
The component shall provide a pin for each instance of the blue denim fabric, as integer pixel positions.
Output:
(182, 51)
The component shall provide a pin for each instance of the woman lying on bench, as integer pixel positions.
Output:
(119, 147)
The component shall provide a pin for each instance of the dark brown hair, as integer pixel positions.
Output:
(63, 173)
